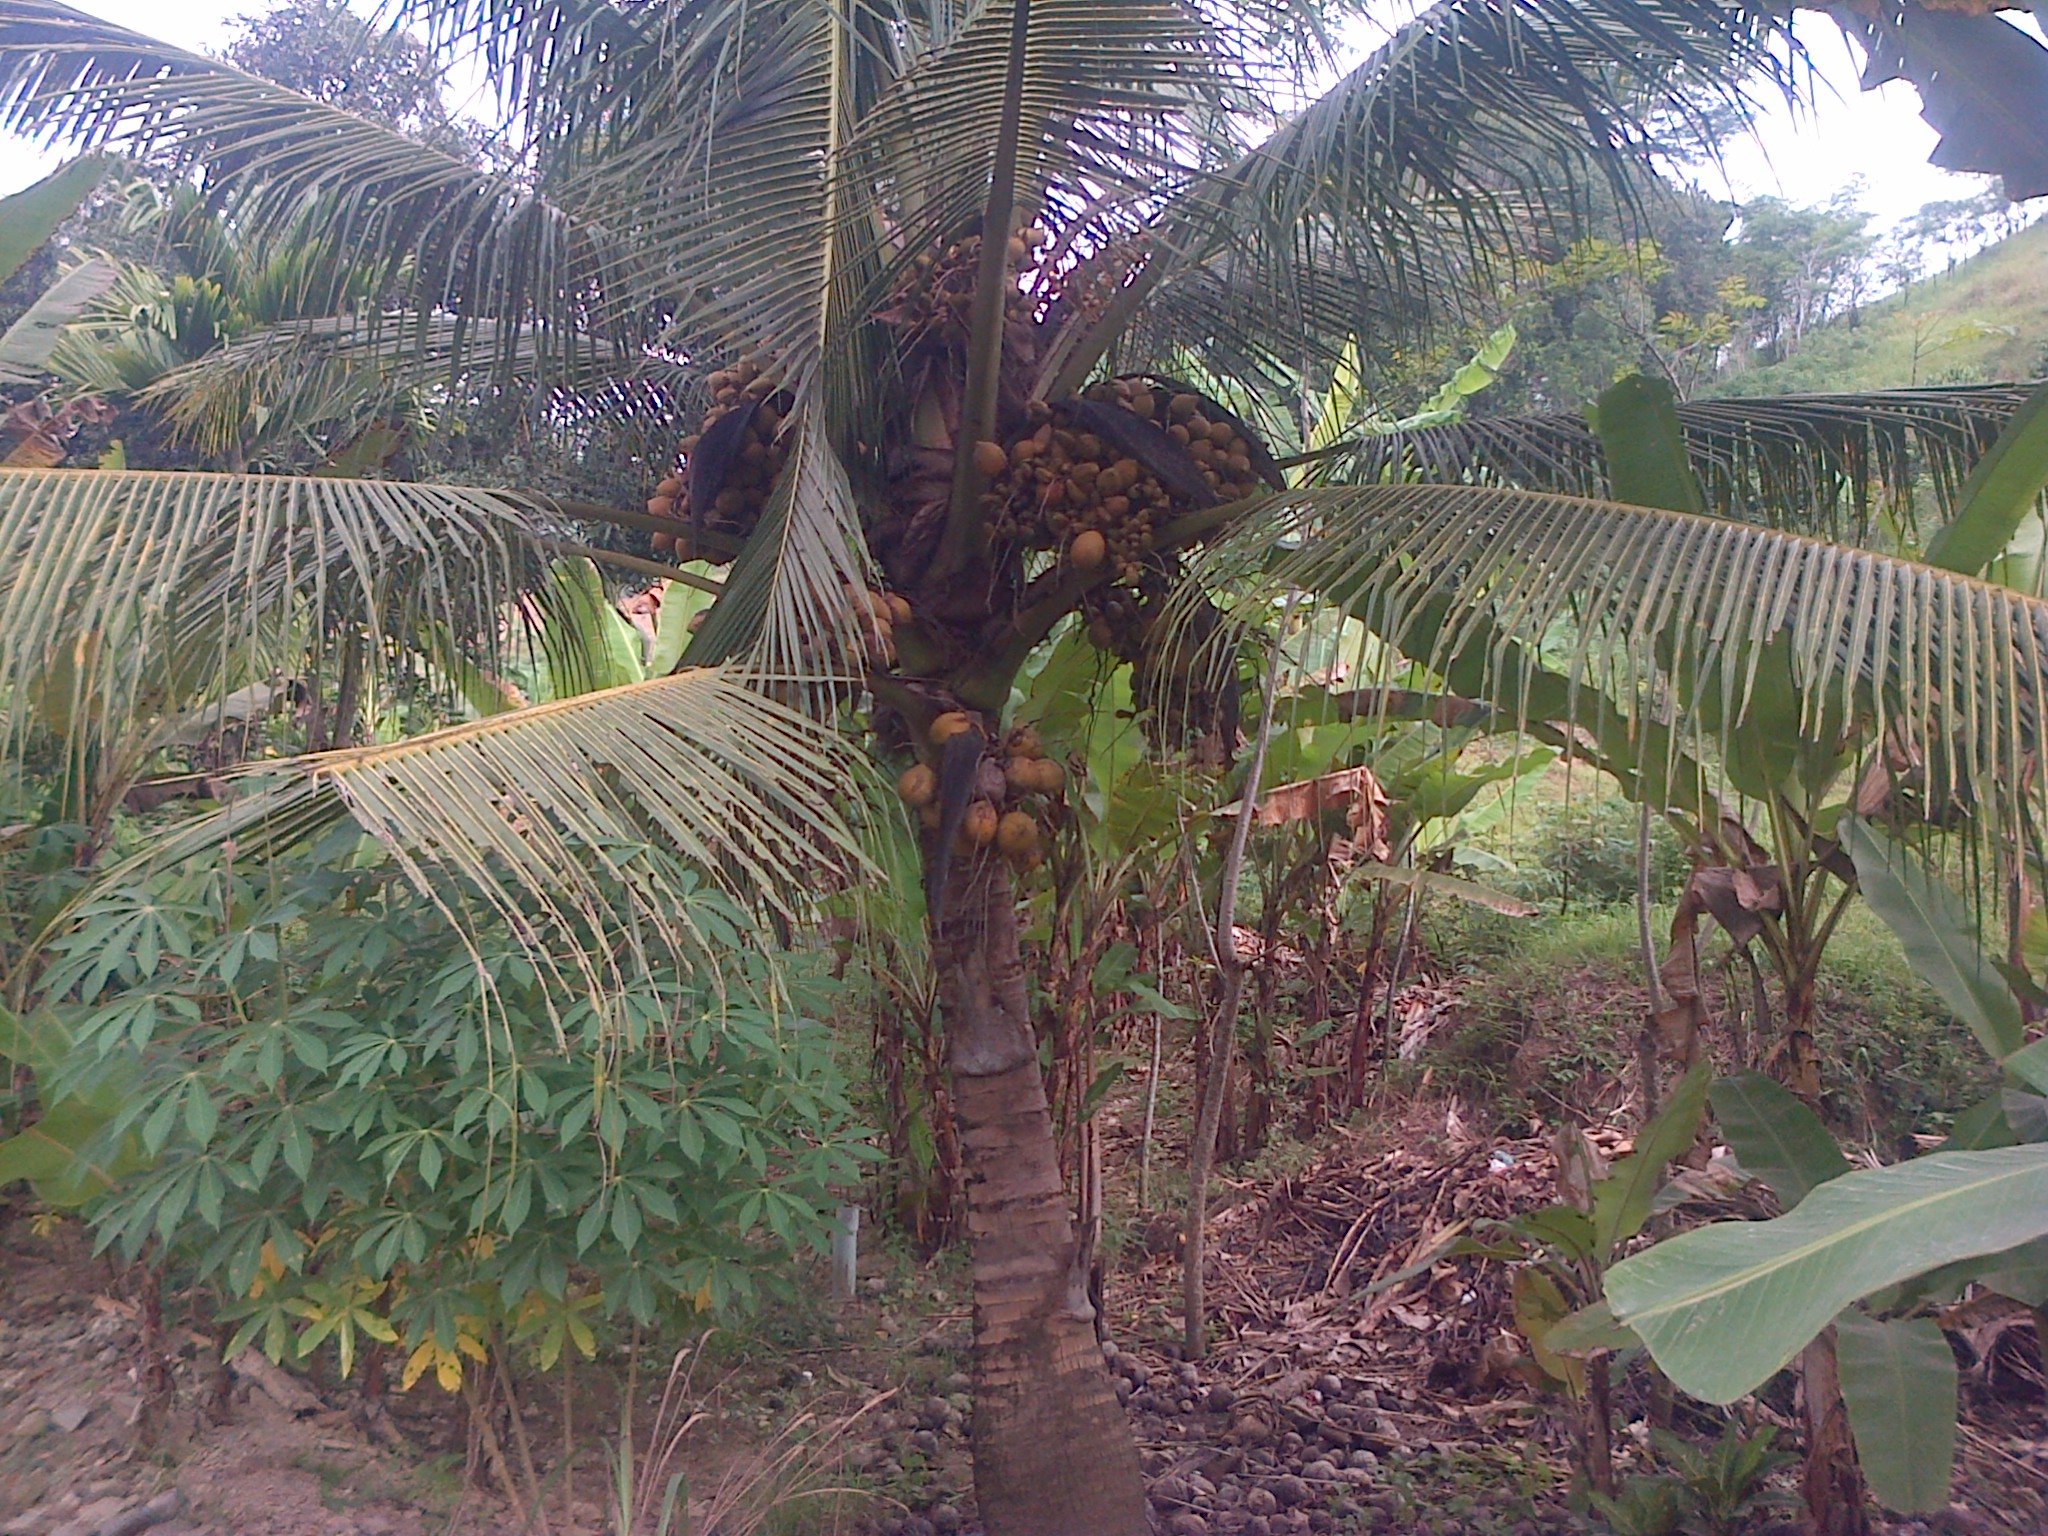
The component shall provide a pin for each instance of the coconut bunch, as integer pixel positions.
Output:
(933, 300)
(1014, 784)
(1121, 619)
(1096, 478)
(1225, 451)
(872, 619)
(726, 468)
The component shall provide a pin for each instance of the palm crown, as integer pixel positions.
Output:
(875, 254)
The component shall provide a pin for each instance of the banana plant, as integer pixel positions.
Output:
(1563, 1254)
(1870, 1255)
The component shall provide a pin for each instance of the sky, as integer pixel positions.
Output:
(1846, 133)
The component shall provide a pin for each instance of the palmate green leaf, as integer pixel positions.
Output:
(1899, 1382)
(543, 816)
(1953, 666)
(126, 598)
(1935, 926)
(1724, 1306)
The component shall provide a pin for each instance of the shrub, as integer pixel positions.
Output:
(354, 1126)
(1589, 851)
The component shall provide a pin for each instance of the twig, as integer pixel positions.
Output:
(1223, 1027)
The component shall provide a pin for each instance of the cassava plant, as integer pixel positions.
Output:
(918, 277)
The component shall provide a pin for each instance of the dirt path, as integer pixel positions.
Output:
(72, 1456)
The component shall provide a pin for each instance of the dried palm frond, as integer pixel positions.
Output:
(583, 824)
(129, 597)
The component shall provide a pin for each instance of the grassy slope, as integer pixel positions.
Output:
(1986, 321)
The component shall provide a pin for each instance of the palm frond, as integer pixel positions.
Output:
(582, 823)
(449, 232)
(786, 609)
(1476, 126)
(128, 596)
(340, 369)
(1669, 616)
(1828, 463)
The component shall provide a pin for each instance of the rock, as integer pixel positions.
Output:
(1259, 1525)
(1365, 1460)
(1187, 1523)
(1249, 1429)
(1291, 1491)
(68, 1416)
(89, 1518)
(1320, 1472)
(955, 1383)
(1172, 1489)
(30, 1522)
(917, 1525)
(35, 1422)
(1219, 1398)
(1260, 1501)
(1330, 1386)
(926, 1442)
(151, 1512)
(1292, 1443)
(945, 1519)
(1188, 1374)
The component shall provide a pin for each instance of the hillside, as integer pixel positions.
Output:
(1985, 321)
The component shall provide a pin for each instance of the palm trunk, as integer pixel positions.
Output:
(1053, 1453)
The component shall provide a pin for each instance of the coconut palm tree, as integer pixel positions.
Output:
(926, 270)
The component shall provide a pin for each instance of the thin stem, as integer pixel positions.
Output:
(1151, 1113)
(1223, 1026)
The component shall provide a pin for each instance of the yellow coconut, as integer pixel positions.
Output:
(918, 786)
(1088, 550)
(1017, 835)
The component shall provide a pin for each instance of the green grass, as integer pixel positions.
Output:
(1553, 1006)
(1984, 322)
